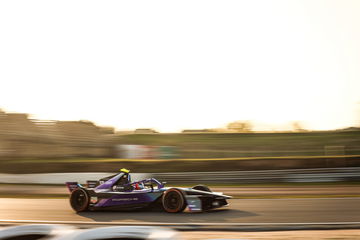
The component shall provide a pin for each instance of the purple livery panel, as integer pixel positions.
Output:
(131, 198)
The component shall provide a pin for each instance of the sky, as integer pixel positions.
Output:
(173, 65)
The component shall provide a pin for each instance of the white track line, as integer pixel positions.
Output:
(174, 224)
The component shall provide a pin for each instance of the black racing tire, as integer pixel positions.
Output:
(202, 188)
(79, 200)
(173, 201)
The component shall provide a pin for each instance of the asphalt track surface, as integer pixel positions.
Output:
(306, 210)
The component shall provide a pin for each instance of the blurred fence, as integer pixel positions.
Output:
(228, 177)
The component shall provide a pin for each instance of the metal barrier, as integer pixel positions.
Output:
(293, 175)
(264, 176)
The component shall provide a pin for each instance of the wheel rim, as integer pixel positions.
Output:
(79, 200)
(173, 201)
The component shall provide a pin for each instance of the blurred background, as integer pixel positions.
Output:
(256, 99)
(236, 154)
(60, 144)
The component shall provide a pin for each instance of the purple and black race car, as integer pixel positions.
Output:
(117, 192)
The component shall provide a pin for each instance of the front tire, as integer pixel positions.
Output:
(173, 201)
(79, 200)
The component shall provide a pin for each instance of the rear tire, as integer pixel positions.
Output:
(202, 188)
(79, 200)
(173, 201)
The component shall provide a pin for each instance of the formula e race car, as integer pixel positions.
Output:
(117, 192)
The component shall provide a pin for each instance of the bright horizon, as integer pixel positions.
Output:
(174, 65)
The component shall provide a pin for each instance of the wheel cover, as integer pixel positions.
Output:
(173, 200)
(79, 200)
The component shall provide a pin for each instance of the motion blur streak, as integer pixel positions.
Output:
(287, 210)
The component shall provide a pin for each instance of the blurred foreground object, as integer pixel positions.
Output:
(131, 232)
(35, 231)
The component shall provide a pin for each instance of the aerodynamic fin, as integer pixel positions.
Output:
(72, 186)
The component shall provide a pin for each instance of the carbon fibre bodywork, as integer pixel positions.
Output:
(108, 194)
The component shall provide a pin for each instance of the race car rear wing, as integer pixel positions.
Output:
(72, 186)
